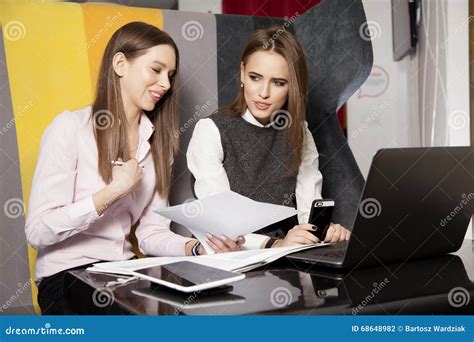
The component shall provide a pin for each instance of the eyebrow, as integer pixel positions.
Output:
(273, 78)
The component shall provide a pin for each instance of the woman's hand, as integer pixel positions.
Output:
(298, 235)
(222, 244)
(126, 177)
(336, 232)
(301, 234)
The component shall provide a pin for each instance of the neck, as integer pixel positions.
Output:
(133, 118)
(132, 114)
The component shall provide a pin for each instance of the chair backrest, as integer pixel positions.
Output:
(49, 60)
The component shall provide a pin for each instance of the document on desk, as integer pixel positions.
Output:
(241, 261)
(227, 213)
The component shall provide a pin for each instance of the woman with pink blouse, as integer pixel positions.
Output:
(105, 167)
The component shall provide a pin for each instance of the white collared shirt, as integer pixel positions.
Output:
(205, 161)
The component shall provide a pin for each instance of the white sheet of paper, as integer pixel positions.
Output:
(227, 213)
(241, 261)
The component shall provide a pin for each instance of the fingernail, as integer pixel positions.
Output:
(209, 236)
(223, 237)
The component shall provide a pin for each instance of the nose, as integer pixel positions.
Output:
(264, 91)
(164, 82)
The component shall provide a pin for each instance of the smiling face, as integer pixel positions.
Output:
(265, 80)
(145, 79)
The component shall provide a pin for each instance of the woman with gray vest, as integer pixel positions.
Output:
(260, 145)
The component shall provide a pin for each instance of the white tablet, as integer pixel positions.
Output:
(187, 276)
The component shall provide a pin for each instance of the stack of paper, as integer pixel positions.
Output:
(225, 213)
(242, 261)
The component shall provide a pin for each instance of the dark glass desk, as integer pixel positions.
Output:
(442, 285)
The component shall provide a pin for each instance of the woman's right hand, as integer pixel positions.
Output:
(298, 235)
(223, 244)
(125, 177)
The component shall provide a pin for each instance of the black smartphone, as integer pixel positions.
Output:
(320, 216)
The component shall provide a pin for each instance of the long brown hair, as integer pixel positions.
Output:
(133, 39)
(280, 41)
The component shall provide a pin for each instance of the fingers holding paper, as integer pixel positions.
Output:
(224, 244)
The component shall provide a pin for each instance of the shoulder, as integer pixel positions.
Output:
(66, 126)
(205, 127)
(71, 121)
(220, 116)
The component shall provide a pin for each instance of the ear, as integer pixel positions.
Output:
(242, 72)
(119, 63)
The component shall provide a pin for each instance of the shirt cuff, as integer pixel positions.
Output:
(253, 241)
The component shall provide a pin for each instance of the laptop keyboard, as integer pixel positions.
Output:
(338, 253)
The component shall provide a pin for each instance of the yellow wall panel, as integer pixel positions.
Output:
(48, 72)
(102, 20)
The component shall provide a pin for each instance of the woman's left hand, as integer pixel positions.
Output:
(224, 244)
(336, 232)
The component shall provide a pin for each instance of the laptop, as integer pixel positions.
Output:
(416, 203)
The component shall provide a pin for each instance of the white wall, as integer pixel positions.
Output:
(422, 100)
(382, 113)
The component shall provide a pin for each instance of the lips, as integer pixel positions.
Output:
(156, 95)
(261, 105)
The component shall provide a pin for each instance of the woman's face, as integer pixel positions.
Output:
(145, 79)
(265, 79)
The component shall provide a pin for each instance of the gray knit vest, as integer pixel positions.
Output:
(256, 160)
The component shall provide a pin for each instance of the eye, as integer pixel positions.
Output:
(280, 83)
(254, 78)
(156, 70)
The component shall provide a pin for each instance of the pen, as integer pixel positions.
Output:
(119, 163)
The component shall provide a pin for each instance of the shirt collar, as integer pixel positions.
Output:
(146, 128)
(247, 116)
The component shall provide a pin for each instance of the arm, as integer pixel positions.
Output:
(154, 235)
(309, 181)
(205, 158)
(53, 215)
